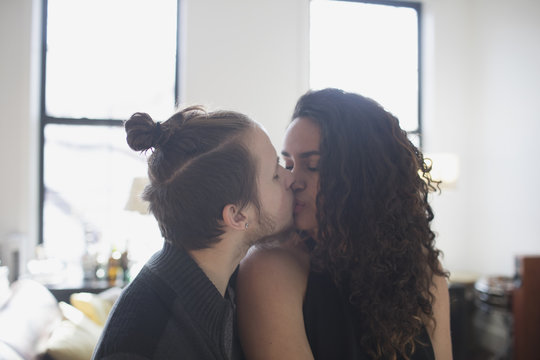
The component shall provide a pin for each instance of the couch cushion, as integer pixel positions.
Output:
(75, 338)
(93, 306)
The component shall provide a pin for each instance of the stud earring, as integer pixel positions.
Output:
(247, 226)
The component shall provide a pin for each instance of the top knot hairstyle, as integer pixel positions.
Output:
(373, 216)
(199, 164)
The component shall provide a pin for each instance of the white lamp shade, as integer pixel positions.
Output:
(135, 201)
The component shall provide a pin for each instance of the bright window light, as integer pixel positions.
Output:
(109, 58)
(104, 60)
(370, 49)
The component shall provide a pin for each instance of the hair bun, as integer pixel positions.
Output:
(142, 132)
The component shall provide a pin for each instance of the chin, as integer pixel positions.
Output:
(303, 226)
(306, 221)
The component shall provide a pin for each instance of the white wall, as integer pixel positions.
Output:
(508, 74)
(19, 104)
(446, 117)
(481, 101)
(250, 56)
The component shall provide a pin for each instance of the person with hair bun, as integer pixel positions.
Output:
(216, 188)
(361, 279)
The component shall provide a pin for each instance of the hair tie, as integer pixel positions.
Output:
(156, 134)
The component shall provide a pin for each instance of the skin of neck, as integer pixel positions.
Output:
(219, 261)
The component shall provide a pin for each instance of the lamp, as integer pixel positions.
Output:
(445, 168)
(144, 237)
(135, 201)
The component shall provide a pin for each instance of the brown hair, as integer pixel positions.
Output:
(373, 215)
(199, 164)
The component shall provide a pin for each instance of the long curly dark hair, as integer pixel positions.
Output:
(374, 234)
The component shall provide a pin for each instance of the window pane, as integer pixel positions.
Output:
(110, 58)
(370, 49)
(89, 172)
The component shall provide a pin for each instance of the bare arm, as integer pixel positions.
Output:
(439, 331)
(270, 291)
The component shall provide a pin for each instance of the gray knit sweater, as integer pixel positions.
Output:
(171, 310)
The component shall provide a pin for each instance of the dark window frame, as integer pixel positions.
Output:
(417, 6)
(46, 119)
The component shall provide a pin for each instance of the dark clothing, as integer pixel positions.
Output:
(330, 325)
(171, 310)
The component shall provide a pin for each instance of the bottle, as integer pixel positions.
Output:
(114, 268)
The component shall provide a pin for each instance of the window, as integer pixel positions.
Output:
(371, 48)
(102, 61)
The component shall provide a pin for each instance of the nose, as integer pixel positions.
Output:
(289, 179)
(297, 184)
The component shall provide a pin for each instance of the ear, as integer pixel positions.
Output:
(234, 218)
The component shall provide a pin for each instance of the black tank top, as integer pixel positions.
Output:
(330, 328)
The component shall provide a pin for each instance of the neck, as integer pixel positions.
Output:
(312, 233)
(220, 261)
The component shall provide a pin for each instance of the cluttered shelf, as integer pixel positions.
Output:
(63, 279)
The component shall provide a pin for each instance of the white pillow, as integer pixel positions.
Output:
(5, 291)
(7, 353)
(28, 318)
(76, 336)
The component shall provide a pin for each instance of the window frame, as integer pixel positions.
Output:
(417, 6)
(45, 119)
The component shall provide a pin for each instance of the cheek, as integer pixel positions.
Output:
(265, 195)
(313, 188)
(274, 196)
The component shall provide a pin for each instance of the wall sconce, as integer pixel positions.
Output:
(445, 168)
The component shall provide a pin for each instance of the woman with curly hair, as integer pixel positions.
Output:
(361, 279)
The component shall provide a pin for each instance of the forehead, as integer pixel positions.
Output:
(302, 135)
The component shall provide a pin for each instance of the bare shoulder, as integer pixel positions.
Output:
(286, 264)
(271, 285)
(439, 329)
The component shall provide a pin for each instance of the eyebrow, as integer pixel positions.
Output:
(303, 155)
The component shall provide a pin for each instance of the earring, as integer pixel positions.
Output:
(247, 226)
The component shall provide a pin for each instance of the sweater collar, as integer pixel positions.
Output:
(198, 295)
